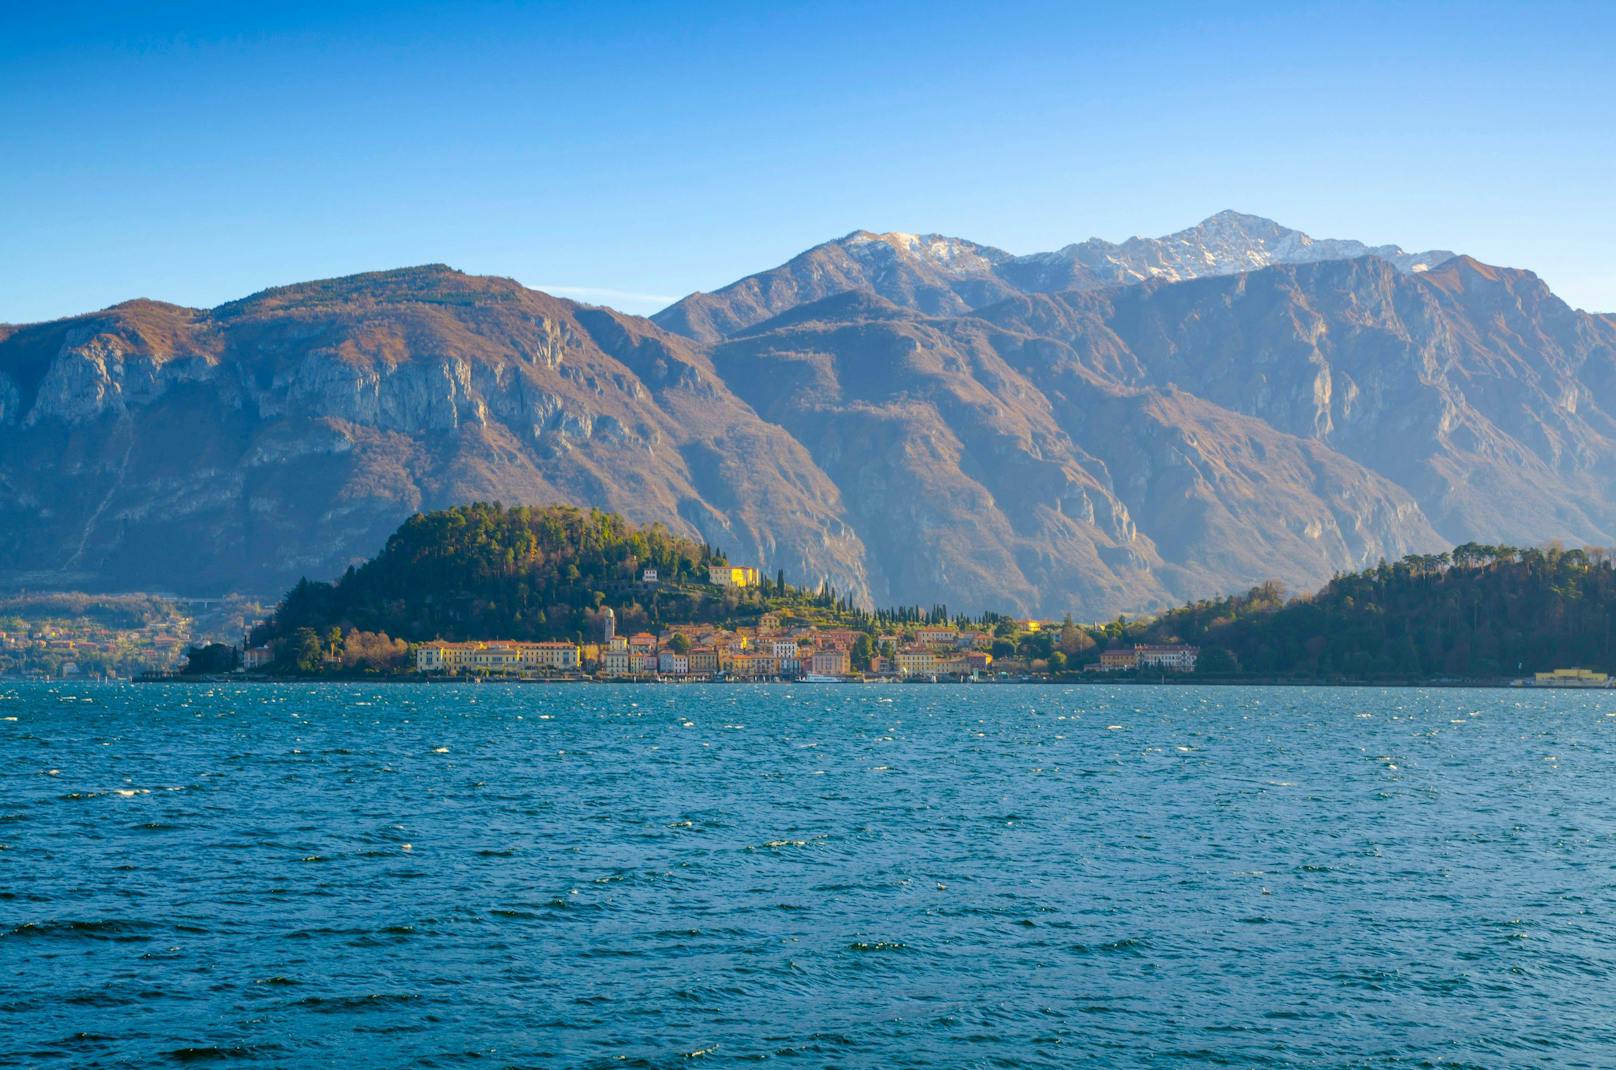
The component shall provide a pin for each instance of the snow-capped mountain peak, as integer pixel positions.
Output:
(1227, 243)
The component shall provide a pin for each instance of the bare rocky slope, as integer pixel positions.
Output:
(287, 434)
(1105, 428)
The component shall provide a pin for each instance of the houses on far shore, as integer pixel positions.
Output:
(1147, 657)
(767, 651)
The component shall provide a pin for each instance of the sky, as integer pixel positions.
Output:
(629, 153)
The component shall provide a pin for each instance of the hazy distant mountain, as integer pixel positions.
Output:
(1104, 428)
(945, 276)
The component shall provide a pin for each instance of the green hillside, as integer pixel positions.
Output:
(529, 573)
(1479, 611)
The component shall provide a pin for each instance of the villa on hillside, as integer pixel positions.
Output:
(733, 576)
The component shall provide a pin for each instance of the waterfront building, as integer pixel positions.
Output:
(561, 656)
(917, 662)
(498, 658)
(1167, 658)
(829, 661)
(1118, 660)
(1571, 678)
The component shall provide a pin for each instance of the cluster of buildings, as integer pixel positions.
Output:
(81, 648)
(770, 650)
(1150, 658)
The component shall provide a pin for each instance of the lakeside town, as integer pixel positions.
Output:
(777, 647)
(773, 650)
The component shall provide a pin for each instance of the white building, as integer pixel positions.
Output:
(1167, 658)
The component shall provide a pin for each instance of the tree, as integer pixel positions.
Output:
(1216, 661)
(1057, 661)
(863, 647)
(373, 651)
(211, 658)
(680, 644)
(309, 654)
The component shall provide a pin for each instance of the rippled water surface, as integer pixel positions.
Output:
(811, 876)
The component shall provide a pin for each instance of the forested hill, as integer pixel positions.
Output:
(1479, 611)
(520, 573)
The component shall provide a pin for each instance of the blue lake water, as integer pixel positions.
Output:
(924, 876)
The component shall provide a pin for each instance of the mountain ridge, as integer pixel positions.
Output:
(907, 434)
(939, 273)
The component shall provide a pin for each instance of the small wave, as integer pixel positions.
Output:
(877, 945)
(775, 845)
(98, 929)
(369, 1001)
(1128, 947)
(211, 1053)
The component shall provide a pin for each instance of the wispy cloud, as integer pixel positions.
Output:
(605, 295)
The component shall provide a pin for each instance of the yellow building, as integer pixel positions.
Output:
(1572, 678)
(917, 662)
(830, 661)
(497, 658)
(565, 657)
(732, 575)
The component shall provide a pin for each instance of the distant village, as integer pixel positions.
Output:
(776, 648)
(70, 636)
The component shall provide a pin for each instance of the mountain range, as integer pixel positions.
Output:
(911, 418)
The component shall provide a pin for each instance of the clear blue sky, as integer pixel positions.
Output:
(205, 151)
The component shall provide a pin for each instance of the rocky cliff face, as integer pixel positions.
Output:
(1473, 388)
(912, 418)
(151, 446)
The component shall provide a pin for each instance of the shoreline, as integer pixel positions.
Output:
(1087, 679)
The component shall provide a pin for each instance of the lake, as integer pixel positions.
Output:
(816, 875)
